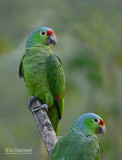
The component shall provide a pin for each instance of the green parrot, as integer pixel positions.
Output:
(43, 73)
(81, 143)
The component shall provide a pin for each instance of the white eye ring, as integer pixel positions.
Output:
(96, 121)
(43, 33)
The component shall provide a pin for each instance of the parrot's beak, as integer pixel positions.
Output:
(101, 130)
(51, 40)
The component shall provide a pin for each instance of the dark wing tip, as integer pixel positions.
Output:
(59, 115)
(20, 69)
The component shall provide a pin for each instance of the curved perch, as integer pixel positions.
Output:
(44, 125)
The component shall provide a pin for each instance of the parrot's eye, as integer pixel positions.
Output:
(96, 121)
(43, 33)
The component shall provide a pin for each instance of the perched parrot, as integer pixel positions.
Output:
(81, 143)
(43, 73)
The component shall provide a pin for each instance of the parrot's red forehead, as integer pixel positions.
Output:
(50, 32)
(101, 122)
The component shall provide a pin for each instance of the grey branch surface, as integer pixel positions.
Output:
(44, 125)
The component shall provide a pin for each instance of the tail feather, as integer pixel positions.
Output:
(54, 118)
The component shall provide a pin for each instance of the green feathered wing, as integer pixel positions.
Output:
(76, 147)
(56, 79)
(55, 75)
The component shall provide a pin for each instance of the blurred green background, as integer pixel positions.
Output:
(89, 44)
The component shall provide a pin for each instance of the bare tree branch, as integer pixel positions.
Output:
(43, 123)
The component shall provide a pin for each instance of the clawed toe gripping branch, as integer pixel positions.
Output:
(39, 112)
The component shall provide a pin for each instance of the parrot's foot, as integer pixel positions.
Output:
(42, 106)
(31, 100)
(38, 107)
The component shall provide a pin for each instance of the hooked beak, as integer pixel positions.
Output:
(51, 40)
(101, 130)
